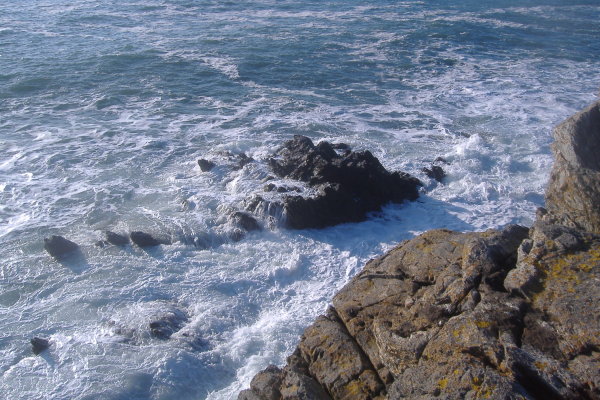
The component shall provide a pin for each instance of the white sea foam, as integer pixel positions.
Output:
(122, 156)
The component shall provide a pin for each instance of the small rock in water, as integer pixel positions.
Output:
(166, 325)
(205, 165)
(116, 239)
(39, 344)
(143, 239)
(436, 172)
(348, 186)
(59, 247)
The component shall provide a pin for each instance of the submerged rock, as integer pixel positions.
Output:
(573, 194)
(348, 186)
(165, 325)
(59, 247)
(116, 239)
(39, 344)
(143, 239)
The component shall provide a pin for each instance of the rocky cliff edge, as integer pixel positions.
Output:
(501, 314)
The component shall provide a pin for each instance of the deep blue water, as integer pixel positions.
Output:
(106, 106)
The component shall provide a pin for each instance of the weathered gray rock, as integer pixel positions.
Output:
(432, 318)
(265, 385)
(336, 361)
(573, 194)
(299, 386)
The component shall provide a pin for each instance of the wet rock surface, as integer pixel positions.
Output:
(435, 172)
(116, 239)
(245, 221)
(165, 325)
(143, 239)
(59, 247)
(39, 344)
(205, 165)
(347, 184)
(502, 314)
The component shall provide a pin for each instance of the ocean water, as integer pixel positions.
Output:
(106, 106)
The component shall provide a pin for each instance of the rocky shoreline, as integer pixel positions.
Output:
(502, 314)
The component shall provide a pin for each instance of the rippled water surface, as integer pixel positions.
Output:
(106, 106)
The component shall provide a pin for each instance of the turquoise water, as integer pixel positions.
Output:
(106, 106)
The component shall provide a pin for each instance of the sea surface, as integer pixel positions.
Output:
(106, 106)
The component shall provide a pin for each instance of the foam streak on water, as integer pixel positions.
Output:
(105, 106)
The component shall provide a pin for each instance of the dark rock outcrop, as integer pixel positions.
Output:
(435, 172)
(573, 195)
(205, 165)
(39, 344)
(59, 247)
(245, 221)
(116, 239)
(143, 239)
(501, 314)
(347, 186)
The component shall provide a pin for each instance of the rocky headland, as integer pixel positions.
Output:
(503, 314)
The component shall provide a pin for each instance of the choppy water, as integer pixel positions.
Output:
(105, 106)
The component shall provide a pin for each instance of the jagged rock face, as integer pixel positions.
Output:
(432, 318)
(348, 186)
(573, 194)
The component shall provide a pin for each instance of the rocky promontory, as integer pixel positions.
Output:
(347, 184)
(512, 313)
